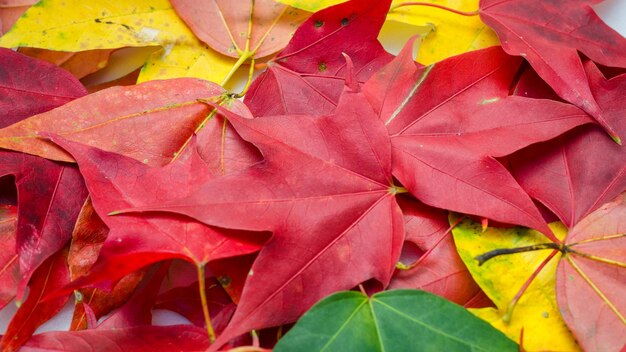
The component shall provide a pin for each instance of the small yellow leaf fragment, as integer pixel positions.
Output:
(195, 60)
(311, 5)
(502, 277)
(452, 33)
(79, 25)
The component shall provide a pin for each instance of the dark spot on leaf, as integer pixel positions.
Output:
(344, 22)
(318, 23)
(322, 67)
(97, 20)
(224, 280)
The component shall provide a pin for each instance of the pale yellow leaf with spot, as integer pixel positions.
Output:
(311, 5)
(452, 33)
(197, 61)
(502, 277)
(78, 25)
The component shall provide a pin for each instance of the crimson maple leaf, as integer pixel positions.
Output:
(326, 192)
(311, 68)
(50, 194)
(449, 121)
(115, 181)
(549, 35)
(583, 169)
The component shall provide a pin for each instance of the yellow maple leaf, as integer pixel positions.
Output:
(79, 25)
(502, 277)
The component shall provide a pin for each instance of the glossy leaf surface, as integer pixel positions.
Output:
(400, 320)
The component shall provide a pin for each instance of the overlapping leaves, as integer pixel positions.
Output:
(338, 172)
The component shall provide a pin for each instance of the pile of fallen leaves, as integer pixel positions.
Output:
(469, 199)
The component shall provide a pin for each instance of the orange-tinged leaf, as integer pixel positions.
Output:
(79, 64)
(150, 122)
(10, 11)
(241, 28)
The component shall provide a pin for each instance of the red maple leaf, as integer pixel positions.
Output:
(549, 35)
(326, 192)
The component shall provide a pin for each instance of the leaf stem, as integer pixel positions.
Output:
(205, 305)
(509, 310)
(242, 59)
(503, 251)
(462, 13)
(249, 81)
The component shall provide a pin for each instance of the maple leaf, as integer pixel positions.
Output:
(312, 69)
(247, 30)
(79, 64)
(151, 122)
(116, 182)
(451, 31)
(49, 194)
(589, 277)
(549, 35)
(78, 25)
(535, 312)
(576, 173)
(29, 87)
(325, 191)
(429, 259)
(445, 137)
(49, 197)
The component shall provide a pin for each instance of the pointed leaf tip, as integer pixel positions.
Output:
(351, 82)
(616, 139)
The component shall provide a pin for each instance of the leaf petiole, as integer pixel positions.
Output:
(504, 251)
(462, 13)
(205, 305)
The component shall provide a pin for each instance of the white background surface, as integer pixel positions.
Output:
(613, 12)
